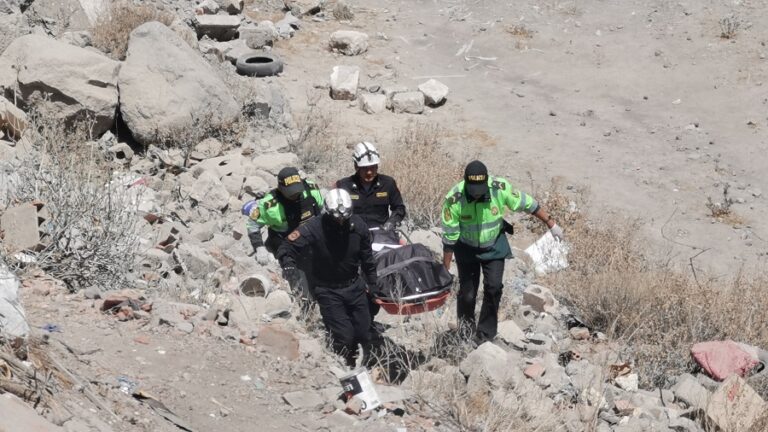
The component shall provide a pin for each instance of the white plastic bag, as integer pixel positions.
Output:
(549, 255)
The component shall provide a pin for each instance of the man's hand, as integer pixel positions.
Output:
(508, 227)
(291, 274)
(388, 226)
(557, 232)
(262, 255)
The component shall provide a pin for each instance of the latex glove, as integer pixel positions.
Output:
(262, 255)
(388, 226)
(557, 232)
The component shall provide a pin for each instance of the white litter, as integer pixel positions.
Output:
(549, 255)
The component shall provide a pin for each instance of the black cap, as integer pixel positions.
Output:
(476, 179)
(289, 182)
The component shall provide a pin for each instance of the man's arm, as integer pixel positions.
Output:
(396, 206)
(292, 247)
(451, 228)
(367, 262)
(253, 224)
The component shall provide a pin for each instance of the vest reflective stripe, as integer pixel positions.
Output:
(481, 227)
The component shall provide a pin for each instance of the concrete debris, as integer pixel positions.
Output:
(277, 302)
(539, 298)
(287, 26)
(13, 121)
(209, 192)
(232, 7)
(13, 321)
(258, 36)
(207, 7)
(408, 102)
(735, 406)
(510, 333)
(689, 391)
(373, 103)
(344, 82)
(20, 225)
(435, 92)
(629, 382)
(349, 42)
(217, 27)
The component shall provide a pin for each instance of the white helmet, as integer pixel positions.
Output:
(365, 154)
(338, 204)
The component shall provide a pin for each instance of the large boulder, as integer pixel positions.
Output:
(164, 83)
(64, 80)
(13, 321)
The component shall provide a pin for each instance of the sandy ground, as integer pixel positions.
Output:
(641, 103)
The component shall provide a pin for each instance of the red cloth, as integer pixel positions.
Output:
(722, 359)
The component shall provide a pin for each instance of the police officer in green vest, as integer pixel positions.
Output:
(282, 210)
(473, 230)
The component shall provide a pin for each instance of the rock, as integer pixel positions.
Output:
(92, 293)
(186, 33)
(198, 262)
(20, 227)
(274, 162)
(688, 390)
(408, 102)
(304, 7)
(13, 121)
(260, 35)
(79, 39)
(434, 91)
(735, 406)
(82, 85)
(339, 420)
(69, 15)
(390, 90)
(487, 357)
(18, 416)
(287, 26)
(354, 405)
(349, 42)
(278, 301)
(682, 424)
(175, 315)
(538, 298)
(232, 7)
(628, 382)
(217, 27)
(579, 333)
(279, 342)
(305, 399)
(510, 333)
(122, 152)
(373, 103)
(13, 321)
(534, 370)
(161, 63)
(209, 192)
(344, 82)
(207, 7)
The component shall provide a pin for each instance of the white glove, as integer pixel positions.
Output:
(262, 256)
(557, 232)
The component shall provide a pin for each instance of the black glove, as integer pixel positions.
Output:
(291, 275)
(508, 227)
(388, 226)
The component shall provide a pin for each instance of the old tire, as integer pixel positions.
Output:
(258, 64)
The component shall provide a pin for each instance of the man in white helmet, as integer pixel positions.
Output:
(340, 246)
(375, 197)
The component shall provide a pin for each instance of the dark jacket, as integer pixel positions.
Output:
(338, 251)
(375, 204)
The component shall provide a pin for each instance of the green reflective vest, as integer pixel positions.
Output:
(478, 224)
(271, 213)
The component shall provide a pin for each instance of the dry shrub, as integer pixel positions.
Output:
(423, 170)
(91, 224)
(343, 12)
(114, 26)
(657, 310)
(317, 145)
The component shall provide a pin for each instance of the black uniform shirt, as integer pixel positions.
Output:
(338, 251)
(374, 203)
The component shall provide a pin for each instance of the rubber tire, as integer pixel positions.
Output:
(258, 64)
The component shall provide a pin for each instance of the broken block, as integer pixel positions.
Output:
(735, 406)
(20, 227)
(538, 298)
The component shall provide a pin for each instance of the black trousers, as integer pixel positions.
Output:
(470, 267)
(346, 317)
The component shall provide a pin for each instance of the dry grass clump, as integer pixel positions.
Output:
(654, 308)
(114, 26)
(343, 12)
(423, 170)
(90, 232)
(316, 143)
(729, 26)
